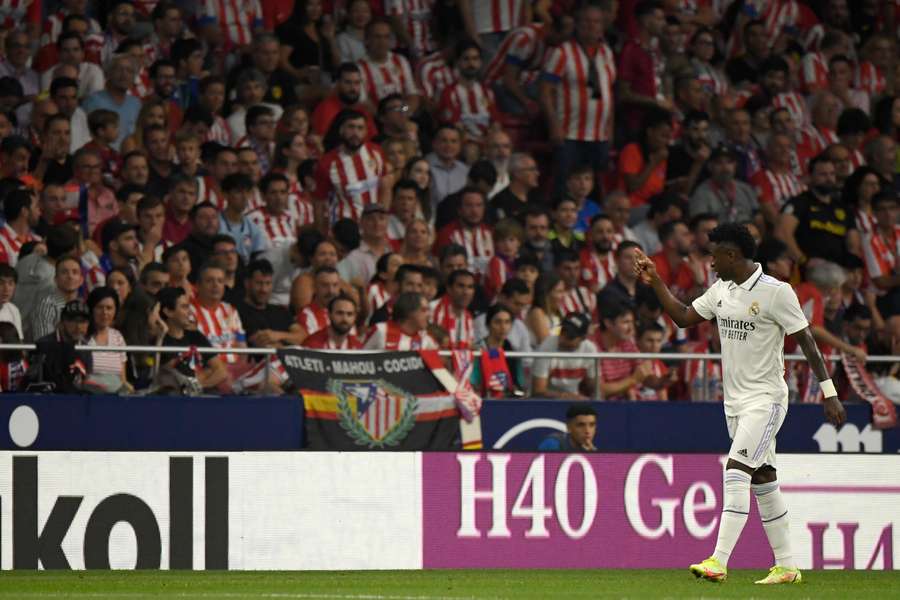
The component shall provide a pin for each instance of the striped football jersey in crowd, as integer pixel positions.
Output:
(388, 336)
(461, 328)
(881, 253)
(221, 325)
(579, 299)
(393, 76)
(585, 114)
(596, 272)
(494, 16)
(11, 244)
(279, 230)
(471, 105)
(523, 47)
(376, 296)
(869, 78)
(814, 69)
(416, 18)
(349, 181)
(777, 188)
(313, 318)
(321, 340)
(434, 74)
(236, 18)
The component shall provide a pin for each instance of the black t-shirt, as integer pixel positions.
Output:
(255, 319)
(282, 88)
(822, 228)
(739, 70)
(58, 173)
(190, 338)
(506, 205)
(679, 164)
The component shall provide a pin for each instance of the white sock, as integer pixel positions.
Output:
(773, 513)
(735, 509)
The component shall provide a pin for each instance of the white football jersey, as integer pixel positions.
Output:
(753, 319)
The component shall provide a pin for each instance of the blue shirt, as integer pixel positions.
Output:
(127, 111)
(587, 212)
(246, 234)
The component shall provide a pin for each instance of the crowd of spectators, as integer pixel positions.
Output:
(457, 174)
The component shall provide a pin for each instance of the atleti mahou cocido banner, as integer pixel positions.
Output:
(374, 401)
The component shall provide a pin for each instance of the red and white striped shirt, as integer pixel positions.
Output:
(434, 74)
(388, 336)
(586, 115)
(814, 69)
(349, 181)
(776, 188)
(865, 222)
(565, 374)
(416, 18)
(13, 13)
(523, 47)
(93, 274)
(54, 23)
(870, 78)
(713, 81)
(881, 253)
(499, 269)
(579, 299)
(206, 192)
(376, 296)
(313, 317)
(300, 206)
(221, 325)
(220, 131)
(236, 18)
(857, 159)
(478, 242)
(321, 340)
(393, 76)
(280, 230)
(494, 16)
(596, 272)
(470, 104)
(795, 104)
(11, 244)
(813, 140)
(460, 328)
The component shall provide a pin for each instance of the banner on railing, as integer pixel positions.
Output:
(378, 401)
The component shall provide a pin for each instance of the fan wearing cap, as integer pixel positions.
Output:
(567, 378)
(55, 357)
(120, 246)
(722, 194)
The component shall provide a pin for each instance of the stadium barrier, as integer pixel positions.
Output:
(259, 423)
(326, 510)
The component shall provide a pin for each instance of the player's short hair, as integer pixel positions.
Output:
(736, 235)
(580, 409)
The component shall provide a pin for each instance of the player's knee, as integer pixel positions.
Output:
(764, 474)
(733, 464)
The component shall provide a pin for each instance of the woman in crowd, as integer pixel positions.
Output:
(545, 317)
(702, 51)
(417, 169)
(153, 112)
(290, 152)
(383, 287)
(859, 189)
(416, 247)
(108, 370)
(121, 280)
(494, 375)
(295, 120)
(642, 165)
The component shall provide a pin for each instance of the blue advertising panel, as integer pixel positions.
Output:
(677, 427)
(151, 422)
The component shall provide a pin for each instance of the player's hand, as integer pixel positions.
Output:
(644, 268)
(834, 411)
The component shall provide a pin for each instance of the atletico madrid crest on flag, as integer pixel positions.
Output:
(375, 414)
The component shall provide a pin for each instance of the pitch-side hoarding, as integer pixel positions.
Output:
(303, 510)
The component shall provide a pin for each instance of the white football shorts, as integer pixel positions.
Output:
(752, 434)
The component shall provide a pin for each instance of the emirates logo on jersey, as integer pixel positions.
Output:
(754, 309)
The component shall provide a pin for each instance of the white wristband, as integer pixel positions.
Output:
(828, 389)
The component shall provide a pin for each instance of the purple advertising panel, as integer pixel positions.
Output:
(577, 511)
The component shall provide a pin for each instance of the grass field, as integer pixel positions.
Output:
(435, 585)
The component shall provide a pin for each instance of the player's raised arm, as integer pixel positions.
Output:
(834, 410)
(682, 314)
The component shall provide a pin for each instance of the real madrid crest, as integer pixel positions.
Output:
(754, 309)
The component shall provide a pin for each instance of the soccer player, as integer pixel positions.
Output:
(754, 312)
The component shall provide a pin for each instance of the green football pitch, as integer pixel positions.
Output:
(435, 585)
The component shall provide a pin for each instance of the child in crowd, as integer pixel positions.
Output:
(508, 238)
(650, 340)
(104, 127)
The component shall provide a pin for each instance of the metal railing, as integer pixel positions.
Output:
(597, 356)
